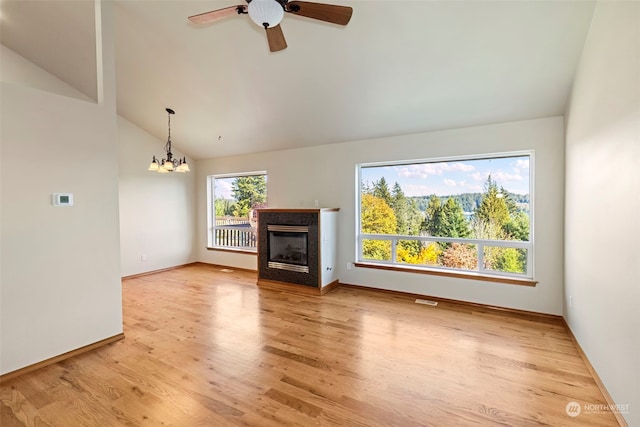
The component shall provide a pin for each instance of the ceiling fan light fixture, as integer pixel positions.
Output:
(266, 13)
(269, 13)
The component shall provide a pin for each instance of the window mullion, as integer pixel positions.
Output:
(394, 242)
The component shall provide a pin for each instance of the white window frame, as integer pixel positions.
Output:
(480, 243)
(211, 213)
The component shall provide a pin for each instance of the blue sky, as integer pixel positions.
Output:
(454, 177)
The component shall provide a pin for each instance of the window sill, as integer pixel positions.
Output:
(236, 251)
(456, 274)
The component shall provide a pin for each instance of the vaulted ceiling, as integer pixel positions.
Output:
(399, 67)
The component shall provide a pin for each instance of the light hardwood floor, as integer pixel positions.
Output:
(208, 348)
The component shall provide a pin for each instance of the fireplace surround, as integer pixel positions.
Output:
(287, 247)
(297, 249)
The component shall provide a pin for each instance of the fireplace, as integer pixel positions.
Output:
(287, 247)
(297, 247)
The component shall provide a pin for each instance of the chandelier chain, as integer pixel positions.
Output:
(167, 146)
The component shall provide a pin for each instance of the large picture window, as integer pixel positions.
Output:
(232, 202)
(471, 214)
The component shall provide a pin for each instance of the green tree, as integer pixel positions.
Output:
(511, 204)
(492, 213)
(517, 227)
(512, 260)
(413, 221)
(405, 211)
(445, 220)
(381, 191)
(432, 220)
(376, 217)
(414, 218)
(248, 191)
(408, 215)
(224, 207)
(400, 206)
(453, 221)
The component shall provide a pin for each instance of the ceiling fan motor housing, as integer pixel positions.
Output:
(266, 13)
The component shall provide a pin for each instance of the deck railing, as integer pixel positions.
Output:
(235, 233)
(479, 250)
(231, 220)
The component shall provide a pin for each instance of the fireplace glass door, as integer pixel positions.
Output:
(288, 247)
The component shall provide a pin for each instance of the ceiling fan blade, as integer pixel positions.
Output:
(215, 15)
(324, 12)
(276, 39)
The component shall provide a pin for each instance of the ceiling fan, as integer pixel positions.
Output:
(269, 13)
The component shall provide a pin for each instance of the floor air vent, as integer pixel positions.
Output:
(427, 302)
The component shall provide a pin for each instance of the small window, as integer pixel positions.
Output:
(232, 202)
(471, 214)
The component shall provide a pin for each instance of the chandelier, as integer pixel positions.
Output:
(169, 164)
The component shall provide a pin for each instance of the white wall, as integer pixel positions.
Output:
(328, 174)
(603, 202)
(157, 211)
(19, 70)
(60, 267)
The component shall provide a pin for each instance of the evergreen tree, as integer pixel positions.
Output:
(381, 191)
(248, 191)
(492, 213)
(498, 217)
(400, 206)
(408, 224)
(414, 218)
(454, 224)
(445, 220)
(432, 220)
(511, 204)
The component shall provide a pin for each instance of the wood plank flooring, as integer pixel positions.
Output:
(208, 348)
